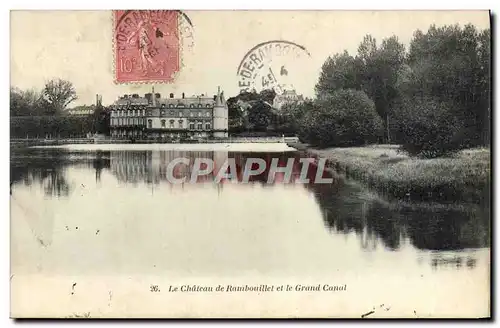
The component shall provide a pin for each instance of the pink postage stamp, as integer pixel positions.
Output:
(147, 45)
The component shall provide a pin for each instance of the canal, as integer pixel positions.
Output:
(113, 213)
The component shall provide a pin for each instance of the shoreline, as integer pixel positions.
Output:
(464, 177)
(221, 146)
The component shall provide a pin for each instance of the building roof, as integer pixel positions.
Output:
(216, 100)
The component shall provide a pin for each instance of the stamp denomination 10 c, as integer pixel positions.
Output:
(147, 45)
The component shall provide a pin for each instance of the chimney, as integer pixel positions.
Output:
(171, 95)
(154, 97)
(183, 95)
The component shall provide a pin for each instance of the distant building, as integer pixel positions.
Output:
(81, 110)
(85, 110)
(287, 97)
(152, 116)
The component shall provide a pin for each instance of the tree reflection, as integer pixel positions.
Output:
(350, 208)
(47, 168)
(49, 173)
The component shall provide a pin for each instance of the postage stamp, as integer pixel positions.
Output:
(270, 65)
(148, 45)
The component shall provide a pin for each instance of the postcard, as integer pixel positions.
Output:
(250, 164)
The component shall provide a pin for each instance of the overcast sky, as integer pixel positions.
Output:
(77, 45)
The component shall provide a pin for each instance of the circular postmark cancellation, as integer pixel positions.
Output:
(271, 65)
(149, 45)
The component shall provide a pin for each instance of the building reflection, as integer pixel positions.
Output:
(152, 167)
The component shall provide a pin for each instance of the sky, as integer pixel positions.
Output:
(77, 46)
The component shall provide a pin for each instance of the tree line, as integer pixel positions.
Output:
(43, 113)
(432, 98)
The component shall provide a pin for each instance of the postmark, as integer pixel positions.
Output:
(149, 45)
(271, 65)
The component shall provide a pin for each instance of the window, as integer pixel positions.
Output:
(171, 124)
(171, 105)
(207, 126)
(200, 126)
(150, 124)
(180, 124)
(162, 105)
(172, 113)
(208, 105)
(180, 114)
(192, 105)
(191, 114)
(162, 112)
(191, 126)
(162, 123)
(199, 114)
(207, 114)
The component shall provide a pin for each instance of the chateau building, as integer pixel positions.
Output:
(152, 117)
(287, 97)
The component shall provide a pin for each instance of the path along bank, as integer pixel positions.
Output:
(464, 177)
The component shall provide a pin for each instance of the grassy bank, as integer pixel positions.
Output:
(463, 177)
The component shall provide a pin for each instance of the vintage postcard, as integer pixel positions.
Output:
(250, 164)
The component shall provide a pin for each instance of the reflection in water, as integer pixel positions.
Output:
(151, 166)
(346, 207)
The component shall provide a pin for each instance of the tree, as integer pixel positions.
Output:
(59, 93)
(429, 128)
(259, 115)
(374, 70)
(25, 102)
(345, 118)
(341, 71)
(380, 71)
(451, 64)
(100, 119)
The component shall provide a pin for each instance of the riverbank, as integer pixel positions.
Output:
(465, 177)
(26, 142)
(221, 146)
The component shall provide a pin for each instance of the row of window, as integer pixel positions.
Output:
(127, 121)
(122, 107)
(192, 125)
(171, 123)
(129, 113)
(132, 113)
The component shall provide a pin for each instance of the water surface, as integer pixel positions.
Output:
(113, 212)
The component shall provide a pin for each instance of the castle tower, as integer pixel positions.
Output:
(154, 97)
(220, 124)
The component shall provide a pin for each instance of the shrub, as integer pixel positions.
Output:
(345, 118)
(428, 128)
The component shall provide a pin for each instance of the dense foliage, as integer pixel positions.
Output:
(433, 99)
(43, 113)
(344, 118)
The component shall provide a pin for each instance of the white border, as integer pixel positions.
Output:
(186, 5)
